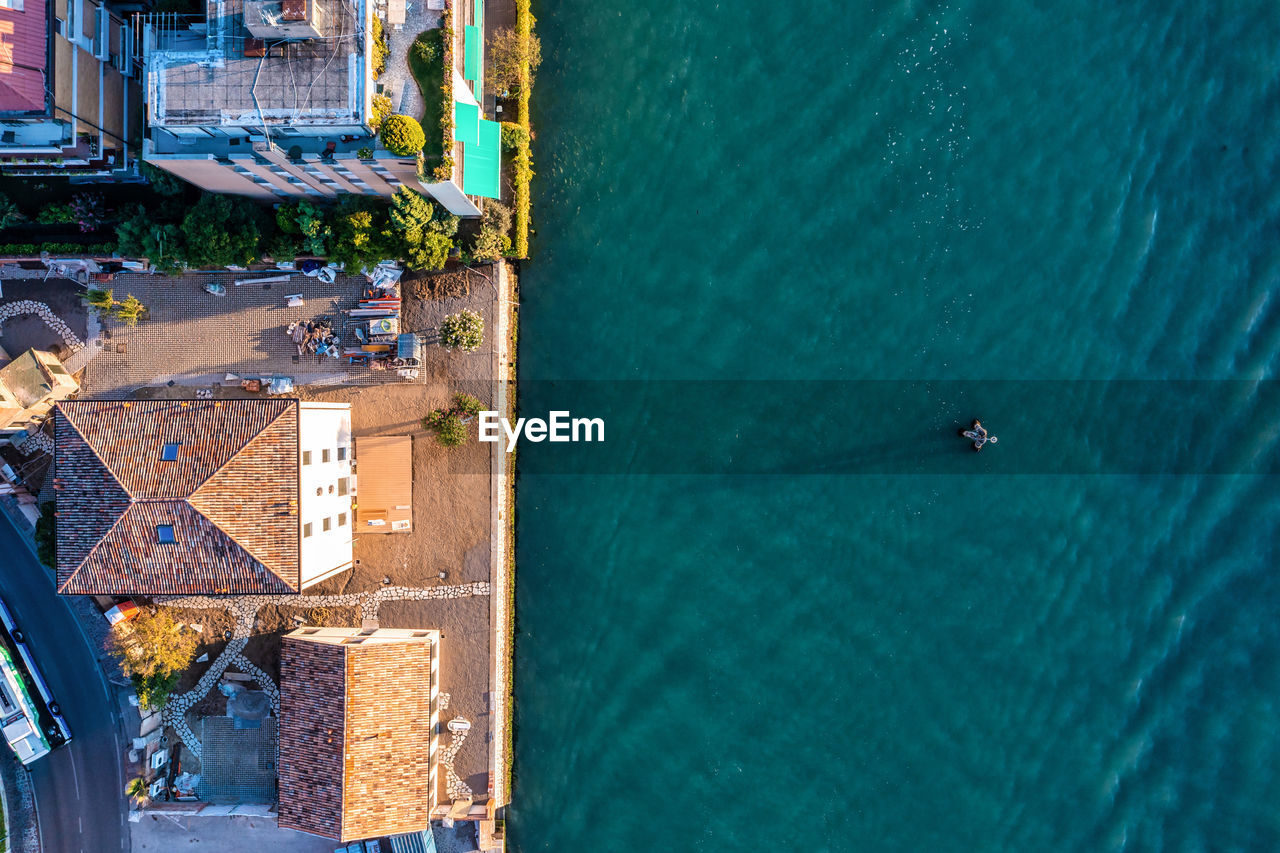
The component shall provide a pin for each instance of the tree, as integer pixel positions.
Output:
(362, 234)
(507, 52)
(101, 301)
(402, 134)
(153, 650)
(219, 231)
(142, 237)
(129, 311)
(411, 211)
(165, 183)
(137, 788)
(431, 252)
(463, 331)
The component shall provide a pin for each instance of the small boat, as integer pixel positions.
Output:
(978, 435)
(215, 288)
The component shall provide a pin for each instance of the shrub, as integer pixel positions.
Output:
(380, 48)
(402, 134)
(426, 47)
(463, 331)
(513, 57)
(513, 135)
(56, 214)
(447, 425)
(9, 212)
(364, 153)
(129, 311)
(101, 301)
(87, 210)
(46, 532)
(380, 109)
(467, 404)
(491, 241)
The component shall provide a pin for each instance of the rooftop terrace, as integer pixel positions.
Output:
(294, 63)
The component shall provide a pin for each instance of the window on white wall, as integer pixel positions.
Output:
(324, 455)
(342, 519)
(342, 485)
(306, 457)
(328, 523)
(306, 530)
(342, 454)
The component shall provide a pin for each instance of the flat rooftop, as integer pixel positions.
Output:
(220, 74)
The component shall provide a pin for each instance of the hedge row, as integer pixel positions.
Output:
(15, 250)
(444, 171)
(524, 156)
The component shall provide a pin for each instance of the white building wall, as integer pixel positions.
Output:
(324, 440)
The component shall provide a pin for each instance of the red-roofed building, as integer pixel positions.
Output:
(359, 728)
(200, 496)
(70, 88)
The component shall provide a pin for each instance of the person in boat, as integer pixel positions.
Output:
(978, 435)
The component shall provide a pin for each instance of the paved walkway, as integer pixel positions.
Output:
(194, 338)
(396, 82)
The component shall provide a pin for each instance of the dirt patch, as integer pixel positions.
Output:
(464, 674)
(450, 284)
(212, 623)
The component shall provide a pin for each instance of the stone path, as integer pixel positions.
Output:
(457, 788)
(244, 609)
(29, 306)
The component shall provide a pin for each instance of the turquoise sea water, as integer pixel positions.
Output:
(884, 642)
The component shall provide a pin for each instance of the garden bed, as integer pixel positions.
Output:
(427, 67)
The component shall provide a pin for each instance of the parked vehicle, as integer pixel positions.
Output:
(122, 612)
(31, 719)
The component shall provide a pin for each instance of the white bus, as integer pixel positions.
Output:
(31, 719)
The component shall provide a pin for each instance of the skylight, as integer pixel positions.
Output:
(164, 534)
(170, 452)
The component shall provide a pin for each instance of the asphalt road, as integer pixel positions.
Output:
(80, 787)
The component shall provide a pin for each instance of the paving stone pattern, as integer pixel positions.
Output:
(196, 338)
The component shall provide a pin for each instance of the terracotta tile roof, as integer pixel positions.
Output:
(24, 35)
(230, 496)
(312, 703)
(357, 715)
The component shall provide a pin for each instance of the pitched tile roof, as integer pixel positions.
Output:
(230, 495)
(356, 751)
